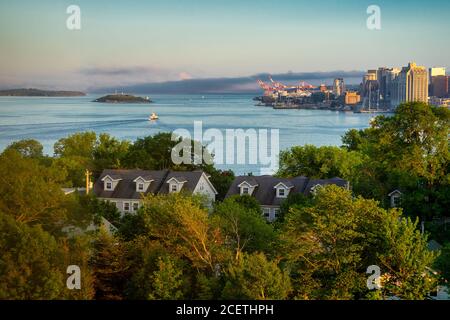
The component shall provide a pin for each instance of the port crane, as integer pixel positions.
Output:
(276, 86)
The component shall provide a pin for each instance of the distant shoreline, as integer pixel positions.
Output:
(40, 93)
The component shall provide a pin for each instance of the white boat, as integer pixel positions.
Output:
(154, 116)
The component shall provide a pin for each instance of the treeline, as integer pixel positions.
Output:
(175, 248)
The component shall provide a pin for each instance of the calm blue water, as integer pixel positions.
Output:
(48, 119)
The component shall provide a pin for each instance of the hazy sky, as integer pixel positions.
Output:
(127, 42)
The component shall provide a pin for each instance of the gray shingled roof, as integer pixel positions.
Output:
(265, 192)
(126, 188)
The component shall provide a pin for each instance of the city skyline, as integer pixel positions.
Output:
(133, 43)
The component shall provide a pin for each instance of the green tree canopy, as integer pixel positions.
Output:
(30, 192)
(253, 277)
(28, 148)
(244, 228)
(330, 244)
(319, 162)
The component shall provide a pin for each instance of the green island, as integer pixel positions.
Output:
(122, 98)
(39, 93)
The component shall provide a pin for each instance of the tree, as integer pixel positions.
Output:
(221, 180)
(151, 153)
(179, 223)
(80, 144)
(28, 148)
(407, 151)
(406, 259)
(330, 244)
(245, 229)
(319, 162)
(30, 192)
(167, 281)
(443, 262)
(30, 262)
(253, 277)
(110, 267)
(109, 153)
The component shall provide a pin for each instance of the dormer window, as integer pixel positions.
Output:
(176, 184)
(142, 183)
(110, 182)
(247, 187)
(282, 189)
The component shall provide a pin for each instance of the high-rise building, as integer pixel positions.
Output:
(382, 75)
(410, 85)
(439, 86)
(338, 87)
(436, 71)
(392, 74)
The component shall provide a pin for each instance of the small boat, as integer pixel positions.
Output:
(153, 117)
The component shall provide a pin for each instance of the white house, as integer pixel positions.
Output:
(125, 188)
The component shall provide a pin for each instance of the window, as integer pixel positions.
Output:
(281, 192)
(173, 188)
(277, 212)
(126, 206)
(244, 190)
(140, 187)
(266, 213)
(135, 206)
(396, 201)
(108, 186)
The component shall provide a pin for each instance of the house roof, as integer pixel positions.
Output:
(396, 191)
(188, 178)
(265, 191)
(126, 187)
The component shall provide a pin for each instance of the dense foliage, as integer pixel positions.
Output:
(175, 248)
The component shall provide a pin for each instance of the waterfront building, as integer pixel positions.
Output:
(439, 86)
(410, 85)
(338, 87)
(436, 71)
(352, 98)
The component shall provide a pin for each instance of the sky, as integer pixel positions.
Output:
(127, 43)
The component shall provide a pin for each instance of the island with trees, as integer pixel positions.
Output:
(40, 93)
(122, 98)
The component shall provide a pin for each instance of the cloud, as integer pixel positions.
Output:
(184, 76)
(234, 84)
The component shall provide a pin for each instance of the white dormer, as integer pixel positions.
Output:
(175, 184)
(142, 183)
(247, 188)
(316, 188)
(395, 197)
(282, 189)
(110, 183)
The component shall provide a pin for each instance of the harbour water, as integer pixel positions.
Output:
(49, 119)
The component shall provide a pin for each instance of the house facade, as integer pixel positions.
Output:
(125, 188)
(270, 191)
